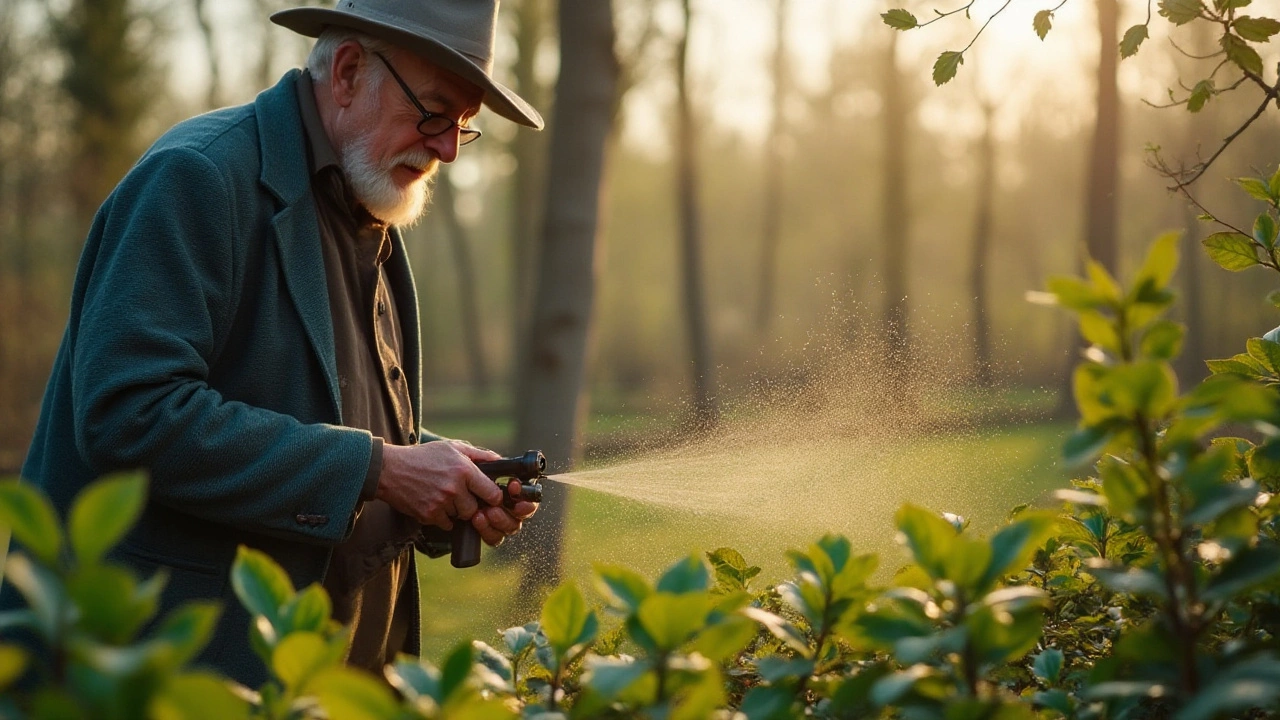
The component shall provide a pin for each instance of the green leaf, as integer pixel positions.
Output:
(456, 668)
(415, 680)
(1251, 683)
(899, 19)
(1239, 52)
(1043, 23)
(1181, 12)
(1257, 188)
(30, 516)
(1231, 250)
(610, 676)
(297, 657)
(945, 67)
(928, 536)
(1161, 261)
(1256, 29)
(44, 594)
(1132, 40)
(891, 689)
(731, 569)
(188, 628)
(1273, 184)
(13, 661)
(1264, 231)
(724, 639)
(1122, 484)
(775, 667)
(261, 584)
(518, 638)
(1266, 352)
(1132, 580)
(1249, 567)
(566, 620)
(622, 587)
(1014, 545)
(765, 702)
(1075, 294)
(781, 629)
(103, 513)
(1048, 665)
(308, 611)
(197, 696)
(686, 575)
(111, 608)
(353, 695)
(1100, 330)
(1084, 444)
(1201, 94)
(1163, 340)
(1225, 5)
(671, 620)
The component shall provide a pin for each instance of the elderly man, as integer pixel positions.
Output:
(244, 326)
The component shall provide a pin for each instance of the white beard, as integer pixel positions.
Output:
(377, 191)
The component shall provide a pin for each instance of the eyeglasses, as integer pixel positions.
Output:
(431, 124)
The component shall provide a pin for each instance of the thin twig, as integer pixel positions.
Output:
(1266, 100)
(984, 26)
(941, 15)
(1175, 45)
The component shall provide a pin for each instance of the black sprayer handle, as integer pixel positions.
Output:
(530, 466)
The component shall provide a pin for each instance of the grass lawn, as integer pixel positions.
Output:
(761, 498)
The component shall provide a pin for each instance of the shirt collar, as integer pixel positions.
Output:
(321, 153)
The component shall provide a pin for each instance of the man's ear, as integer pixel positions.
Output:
(344, 73)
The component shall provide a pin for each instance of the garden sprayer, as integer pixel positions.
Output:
(529, 470)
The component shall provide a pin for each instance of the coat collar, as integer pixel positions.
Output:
(295, 224)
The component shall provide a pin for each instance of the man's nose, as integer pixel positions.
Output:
(445, 145)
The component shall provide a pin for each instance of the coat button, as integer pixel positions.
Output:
(413, 438)
(395, 373)
(382, 307)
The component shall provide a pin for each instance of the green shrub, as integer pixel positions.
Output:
(1154, 592)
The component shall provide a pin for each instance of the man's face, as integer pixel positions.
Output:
(387, 161)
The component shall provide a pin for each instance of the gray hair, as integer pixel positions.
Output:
(321, 58)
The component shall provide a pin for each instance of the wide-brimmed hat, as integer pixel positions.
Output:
(454, 34)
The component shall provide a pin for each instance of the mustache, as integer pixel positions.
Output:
(420, 159)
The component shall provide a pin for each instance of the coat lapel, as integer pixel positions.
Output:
(295, 225)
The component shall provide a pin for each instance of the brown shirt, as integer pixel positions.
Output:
(368, 578)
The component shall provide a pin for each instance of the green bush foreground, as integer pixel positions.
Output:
(1154, 592)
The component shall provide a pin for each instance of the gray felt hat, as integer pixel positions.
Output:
(454, 34)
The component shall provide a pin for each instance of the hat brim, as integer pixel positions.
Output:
(311, 21)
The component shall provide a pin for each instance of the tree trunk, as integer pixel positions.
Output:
(773, 186)
(529, 182)
(213, 97)
(1100, 213)
(551, 401)
(705, 410)
(468, 294)
(1101, 192)
(896, 222)
(982, 249)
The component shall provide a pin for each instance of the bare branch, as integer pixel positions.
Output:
(985, 24)
(1184, 178)
(940, 14)
(1187, 54)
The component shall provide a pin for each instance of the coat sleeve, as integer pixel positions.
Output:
(157, 305)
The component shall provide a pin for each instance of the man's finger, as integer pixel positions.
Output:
(484, 488)
(489, 534)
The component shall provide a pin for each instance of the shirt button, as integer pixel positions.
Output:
(395, 373)
(382, 308)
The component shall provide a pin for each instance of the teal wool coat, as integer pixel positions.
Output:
(200, 348)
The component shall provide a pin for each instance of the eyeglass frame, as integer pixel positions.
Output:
(466, 135)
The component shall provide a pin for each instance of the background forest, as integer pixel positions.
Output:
(780, 207)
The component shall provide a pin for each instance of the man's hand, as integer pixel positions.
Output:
(438, 482)
(496, 523)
